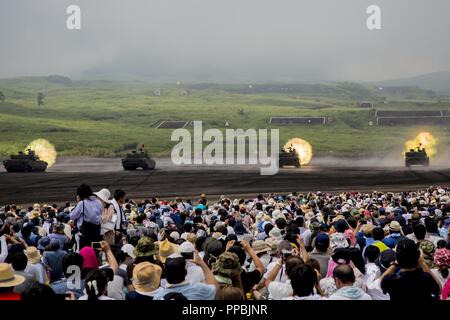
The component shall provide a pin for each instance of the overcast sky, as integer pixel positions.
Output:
(225, 40)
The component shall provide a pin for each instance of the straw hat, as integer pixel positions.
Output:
(260, 246)
(33, 254)
(8, 278)
(146, 276)
(272, 243)
(103, 195)
(166, 248)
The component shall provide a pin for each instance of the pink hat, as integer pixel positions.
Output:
(442, 257)
(89, 258)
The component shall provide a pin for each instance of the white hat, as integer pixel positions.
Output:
(186, 247)
(275, 233)
(174, 235)
(103, 195)
(129, 250)
(218, 224)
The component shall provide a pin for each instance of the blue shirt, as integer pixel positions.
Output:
(60, 287)
(192, 291)
(62, 239)
(93, 209)
(392, 239)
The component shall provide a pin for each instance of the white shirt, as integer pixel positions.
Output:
(37, 270)
(115, 288)
(439, 276)
(311, 297)
(85, 297)
(266, 259)
(281, 275)
(306, 237)
(194, 273)
(338, 296)
(280, 290)
(119, 211)
(4, 249)
(372, 272)
(374, 290)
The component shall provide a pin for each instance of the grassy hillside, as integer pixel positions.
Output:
(102, 118)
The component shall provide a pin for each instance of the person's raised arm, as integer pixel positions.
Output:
(209, 276)
(426, 268)
(4, 249)
(273, 273)
(109, 256)
(303, 252)
(390, 270)
(258, 264)
(358, 227)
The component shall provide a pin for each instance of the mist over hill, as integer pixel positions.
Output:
(437, 81)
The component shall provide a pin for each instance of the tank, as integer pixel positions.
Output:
(289, 157)
(25, 162)
(138, 159)
(417, 156)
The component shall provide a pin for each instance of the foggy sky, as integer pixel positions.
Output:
(225, 40)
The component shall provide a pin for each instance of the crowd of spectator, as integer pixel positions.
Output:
(311, 246)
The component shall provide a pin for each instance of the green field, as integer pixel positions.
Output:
(102, 118)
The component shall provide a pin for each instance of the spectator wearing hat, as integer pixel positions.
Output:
(194, 272)
(52, 258)
(166, 248)
(146, 282)
(364, 237)
(8, 281)
(109, 216)
(441, 261)
(57, 233)
(227, 270)
(248, 278)
(395, 234)
(320, 252)
(284, 250)
(262, 250)
(35, 266)
(145, 250)
(212, 249)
